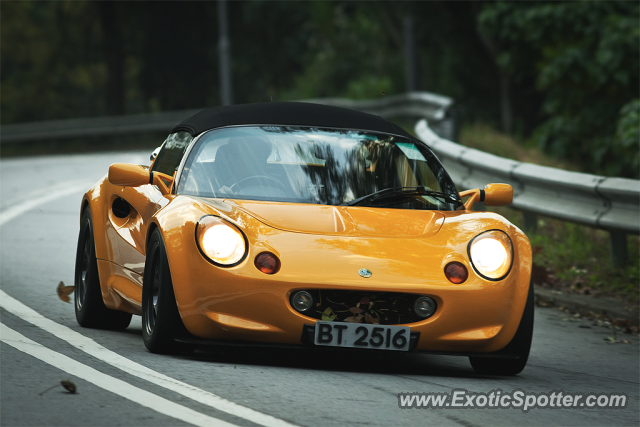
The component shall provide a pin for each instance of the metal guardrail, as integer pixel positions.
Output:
(93, 126)
(436, 108)
(612, 204)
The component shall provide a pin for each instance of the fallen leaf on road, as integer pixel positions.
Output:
(68, 384)
(64, 291)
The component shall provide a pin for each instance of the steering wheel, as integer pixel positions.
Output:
(244, 182)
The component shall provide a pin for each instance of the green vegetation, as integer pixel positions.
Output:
(574, 258)
(560, 79)
(578, 258)
(483, 137)
(561, 75)
(568, 256)
(583, 58)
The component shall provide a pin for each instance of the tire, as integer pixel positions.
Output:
(89, 306)
(520, 345)
(161, 322)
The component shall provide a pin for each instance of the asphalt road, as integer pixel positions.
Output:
(120, 383)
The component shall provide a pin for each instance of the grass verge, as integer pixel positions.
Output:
(576, 259)
(568, 257)
(483, 137)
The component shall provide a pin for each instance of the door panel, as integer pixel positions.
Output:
(130, 210)
(124, 287)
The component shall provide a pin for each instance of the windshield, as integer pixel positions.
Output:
(316, 165)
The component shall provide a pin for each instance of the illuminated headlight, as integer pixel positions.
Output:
(220, 241)
(491, 254)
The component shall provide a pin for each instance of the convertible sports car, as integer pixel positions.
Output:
(303, 224)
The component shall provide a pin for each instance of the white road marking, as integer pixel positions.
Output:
(96, 350)
(11, 198)
(114, 385)
(17, 210)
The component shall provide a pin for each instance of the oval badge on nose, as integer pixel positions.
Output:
(364, 273)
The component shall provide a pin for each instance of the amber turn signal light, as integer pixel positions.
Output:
(456, 272)
(267, 262)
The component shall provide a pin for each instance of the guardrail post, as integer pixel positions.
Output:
(529, 222)
(619, 253)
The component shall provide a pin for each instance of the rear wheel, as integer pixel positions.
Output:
(89, 306)
(161, 322)
(519, 345)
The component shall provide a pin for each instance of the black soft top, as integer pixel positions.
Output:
(286, 113)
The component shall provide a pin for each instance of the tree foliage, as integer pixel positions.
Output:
(584, 59)
(564, 72)
(52, 66)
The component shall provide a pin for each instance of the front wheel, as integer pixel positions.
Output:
(161, 322)
(519, 345)
(89, 306)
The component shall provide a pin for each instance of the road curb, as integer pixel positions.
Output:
(609, 307)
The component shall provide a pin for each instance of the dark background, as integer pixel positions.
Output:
(563, 76)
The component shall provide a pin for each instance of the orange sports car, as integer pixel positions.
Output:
(309, 225)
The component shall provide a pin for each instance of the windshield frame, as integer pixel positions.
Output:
(196, 141)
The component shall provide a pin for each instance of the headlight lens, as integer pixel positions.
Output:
(491, 254)
(220, 241)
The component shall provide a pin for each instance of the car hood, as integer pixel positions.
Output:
(342, 220)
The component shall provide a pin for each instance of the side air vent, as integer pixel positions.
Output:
(121, 208)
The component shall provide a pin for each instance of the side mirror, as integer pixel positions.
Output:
(497, 195)
(492, 195)
(128, 175)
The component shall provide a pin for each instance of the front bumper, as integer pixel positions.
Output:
(242, 304)
(307, 342)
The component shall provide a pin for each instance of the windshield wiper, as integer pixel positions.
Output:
(402, 192)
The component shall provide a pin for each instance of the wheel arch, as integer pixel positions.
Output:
(153, 225)
(84, 205)
(95, 199)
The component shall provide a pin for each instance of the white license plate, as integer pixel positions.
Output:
(358, 335)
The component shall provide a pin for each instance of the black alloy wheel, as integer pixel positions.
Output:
(161, 322)
(151, 304)
(89, 305)
(81, 285)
